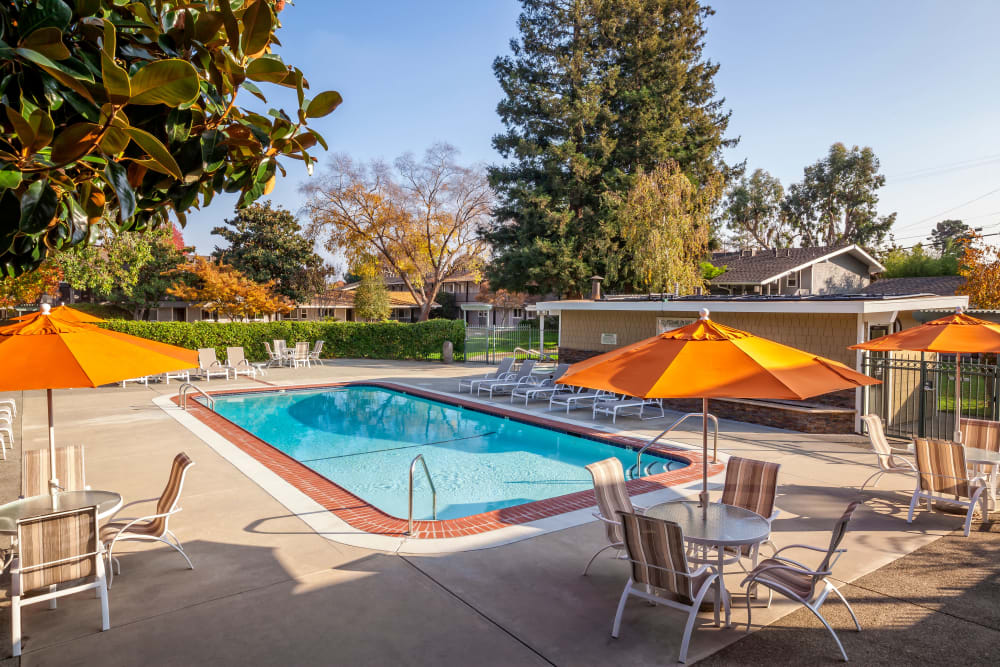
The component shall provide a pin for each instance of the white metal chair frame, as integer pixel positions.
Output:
(176, 375)
(241, 365)
(976, 484)
(516, 379)
(611, 406)
(502, 369)
(886, 458)
(273, 358)
(144, 380)
(214, 366)
(546, 386)
(167, 536)
(100, 583)
(316, 351)
(300, 355)
(575, 399)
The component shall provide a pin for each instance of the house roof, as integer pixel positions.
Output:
(340, 298)
(758, 267)
(939, 285)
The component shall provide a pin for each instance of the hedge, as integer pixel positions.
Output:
(377, 340)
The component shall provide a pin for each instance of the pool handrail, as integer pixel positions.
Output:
(183, 393)
(413, 464)
(636, 470)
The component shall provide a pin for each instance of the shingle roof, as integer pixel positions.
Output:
(345, 299)
(939, 285)
(744, 267)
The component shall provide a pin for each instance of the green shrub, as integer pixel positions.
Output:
(375, 340)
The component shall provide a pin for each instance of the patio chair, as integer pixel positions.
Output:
(316, 351)
(575, 399)
(655, 548)
(208, 365)
(944, 476)
(53, 549)
(546, 388)
(10, 405)
(71, 470)
(236, 360)
(797, 582)
(613, 405)
(983, 434)
(887, 460)
(612, 499)
(155, 526)
(517, 379)
(300, 355)
(176, 375)
(503, 368)
(6, 439)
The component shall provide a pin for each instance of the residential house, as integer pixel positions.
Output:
(795, 271)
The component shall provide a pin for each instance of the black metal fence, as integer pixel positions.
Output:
(490, 344)
(917, 397)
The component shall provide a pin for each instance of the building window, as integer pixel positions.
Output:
(793, 279)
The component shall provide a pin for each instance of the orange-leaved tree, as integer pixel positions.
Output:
(28, 288)
(980, 266)
(220, 288)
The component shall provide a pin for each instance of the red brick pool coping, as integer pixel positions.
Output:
(370, 519)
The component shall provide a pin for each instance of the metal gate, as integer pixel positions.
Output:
(917, 397)
(489, 345)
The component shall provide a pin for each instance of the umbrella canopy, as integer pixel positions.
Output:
(46, 352)
(957, 333)
(710, 360)
(64, 313)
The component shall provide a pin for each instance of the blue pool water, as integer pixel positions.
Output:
(364, 438)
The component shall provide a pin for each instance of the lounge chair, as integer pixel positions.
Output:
(155, 526)
(502, 370)
(176, 375)
(888, 462)
(521, 378)
(237, 362)
(144, 380)
(10, 405)
(613, 405)
(943, 475)
(612, 499)
(208, 365)
(300, 355)
(797, 582)
(6, 439)
(576, 399)
(655, 549)
(316, 351)
(546, 388)
(71, 470)
(53, 549)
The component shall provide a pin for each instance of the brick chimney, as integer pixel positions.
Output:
(595, 287)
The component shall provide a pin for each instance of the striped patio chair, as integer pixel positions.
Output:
(656, 551)
(797, 582)
(752, 485)
(943, 475)
(71, 470)
(885, 458)
(612, 499)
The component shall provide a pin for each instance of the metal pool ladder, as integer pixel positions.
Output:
(183, 395)
(434, 502)
(636, 470)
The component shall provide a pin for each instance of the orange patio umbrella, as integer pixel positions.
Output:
(957, 333)
(46, 352)
(65, 313)
(710, 360)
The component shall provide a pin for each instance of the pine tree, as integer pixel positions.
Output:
(595, 90)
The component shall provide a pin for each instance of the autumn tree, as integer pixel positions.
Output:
(752, 210)
(416, 219)
(219, 288)
(664, 223)
(133, 106)
(371, 299)
(30, 287)
(837, 200)
(502, 300)
(594, 91)
(980, 266)
(267, 243)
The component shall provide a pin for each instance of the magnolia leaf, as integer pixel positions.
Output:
(115, 175)
(257, 23)
(110, 39)
(10, 178)
(48, 42)
(267, 69)
(172, 82)
(74, 142)
(232, 27)
(116, 80)
(43, 127)
(38, 207)
(323, 104)
(207, 26)
(114, 141)
(25, 134)
(43, 13)
(156, 151)
(254, 90)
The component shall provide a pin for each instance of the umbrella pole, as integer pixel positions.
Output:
(958, 398)
(53, 481)
(703, 496)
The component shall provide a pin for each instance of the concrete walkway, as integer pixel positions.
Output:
(269, 590)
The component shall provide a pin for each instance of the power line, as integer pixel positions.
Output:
(953, 208)
(944, 168)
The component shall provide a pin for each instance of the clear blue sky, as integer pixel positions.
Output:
(916, 81)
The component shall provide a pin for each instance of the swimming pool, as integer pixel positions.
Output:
(363, 438)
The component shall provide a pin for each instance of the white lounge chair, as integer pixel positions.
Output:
(176, 375)
(208, 365)
(144, 380)
(521, 378)
(237, 362)
(612, 406)
(576, 399)
(544, 389)
(501, 371)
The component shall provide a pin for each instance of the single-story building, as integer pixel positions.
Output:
(823, 324)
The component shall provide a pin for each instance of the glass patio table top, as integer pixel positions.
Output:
(717, 524)
(107, 503)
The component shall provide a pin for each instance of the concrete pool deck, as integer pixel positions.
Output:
(267, 589)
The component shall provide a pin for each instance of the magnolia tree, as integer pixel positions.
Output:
(133, 107)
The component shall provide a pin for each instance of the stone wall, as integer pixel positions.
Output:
(815, 419)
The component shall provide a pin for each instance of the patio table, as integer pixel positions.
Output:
(985, 457)
(107, 502)
(715, 525)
